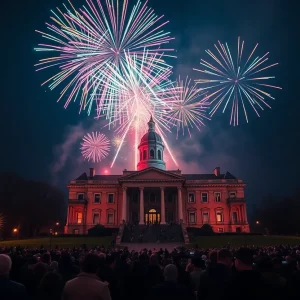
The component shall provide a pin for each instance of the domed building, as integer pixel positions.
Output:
(152, 194)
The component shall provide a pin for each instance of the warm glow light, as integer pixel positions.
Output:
(55, 233)
(57, 224)
(257, 222)
(15, 230)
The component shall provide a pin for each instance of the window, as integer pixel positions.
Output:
(80, 196)
(159, 154)
(217, 197)
(205, 217)
(220, 230)
(151, 153)
(232, 194)
(110, 218)
(192, 217)
(191, 198)
(219, 217)
(96, 218)
(76, 231)
(79, 218)
(204, 197)
(234, 217)
(97, 198)
(110, 198)
(144, 154)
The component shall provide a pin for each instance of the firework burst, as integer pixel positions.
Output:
(95, 146)
(143, 90)
(236, 83)
(82, 43)
(189, 107)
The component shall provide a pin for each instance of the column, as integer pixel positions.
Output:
(124, 205)
(180, 209)
(162, 206)
(142, 210)
(245, 213)
(68, 218)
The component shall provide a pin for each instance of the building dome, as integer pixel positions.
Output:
(151, 149)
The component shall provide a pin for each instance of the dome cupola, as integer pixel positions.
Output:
(151, 149)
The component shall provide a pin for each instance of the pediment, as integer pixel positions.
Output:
(151, 174)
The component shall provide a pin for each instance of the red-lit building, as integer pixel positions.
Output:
(154, 194)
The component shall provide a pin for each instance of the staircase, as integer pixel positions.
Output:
(152, 234)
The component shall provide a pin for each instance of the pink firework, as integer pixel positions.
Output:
(95, 146)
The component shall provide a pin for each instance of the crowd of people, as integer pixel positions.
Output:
(158, 274)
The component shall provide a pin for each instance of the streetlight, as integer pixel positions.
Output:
(57, 224)
(257, 222)
(15, 230)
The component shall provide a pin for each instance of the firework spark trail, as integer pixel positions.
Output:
(189, 107)
(236, 83)
(81, 43)
(95, 147)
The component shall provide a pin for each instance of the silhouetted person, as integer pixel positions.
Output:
(9, 290)
(51, 287)
(170, 289)
(87, 284)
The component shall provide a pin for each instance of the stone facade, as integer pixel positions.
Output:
(152, 194)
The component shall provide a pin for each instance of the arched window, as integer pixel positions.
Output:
(159, 154)
(141, 156)
(151, 154)
(144, 154)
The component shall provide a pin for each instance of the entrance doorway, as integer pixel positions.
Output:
(152, 217)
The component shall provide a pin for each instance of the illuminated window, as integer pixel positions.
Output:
(219, 217)
(159, 154)
(97, 198)
(151, 153)
(191, 198)
(234, 217)
(145, 154)
(220, 230)
(204, 197)
(205, 217)
(79, 218)
(110, 218)
(232, 194)
(76, 231)
(111, 198)
(192, 217)
(80, 196)
(217, 197)
(96, 218)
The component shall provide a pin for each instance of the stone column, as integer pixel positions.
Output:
(180, 208)
(162, 206)
(68, 218)
(142, 210)
(124, 205)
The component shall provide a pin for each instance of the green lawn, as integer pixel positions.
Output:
(60, 241)
(236, 241)
(203, 242)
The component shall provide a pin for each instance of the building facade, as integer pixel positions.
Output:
(153, 194)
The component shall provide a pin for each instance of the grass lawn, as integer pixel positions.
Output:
(203, 241)
(60, 241)
(250, 240)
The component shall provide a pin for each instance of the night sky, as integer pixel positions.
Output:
(40, 139)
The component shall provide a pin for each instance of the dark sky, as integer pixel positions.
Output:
(40, 139)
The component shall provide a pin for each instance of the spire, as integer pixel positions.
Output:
(151, 124)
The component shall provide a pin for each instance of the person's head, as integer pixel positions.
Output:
(90, 263)
(244, 259)
(46, 258)
(264, 264)
(213, 256)
(54, 265)
(277, 262)
(40, 270)
(198, 263)
(225, 257)
(171, 273)
(154, 259)
(51, 285)
(5, 265)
